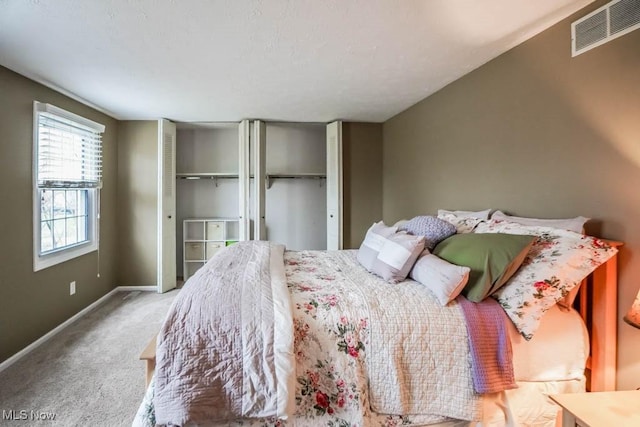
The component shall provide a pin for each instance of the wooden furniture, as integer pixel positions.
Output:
(202, 238)
(149, 356)
(600, 409)
(597, 303)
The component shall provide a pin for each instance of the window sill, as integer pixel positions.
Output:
(51, 259)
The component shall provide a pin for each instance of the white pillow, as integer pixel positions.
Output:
(444, 279)
(397, 255)
(466, 214)
(372, 243)
(572, 224)
(401, 223)
(463, 224)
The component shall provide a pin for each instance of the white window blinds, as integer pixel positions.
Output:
(69, 149)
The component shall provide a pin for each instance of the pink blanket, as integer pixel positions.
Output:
(491, 355)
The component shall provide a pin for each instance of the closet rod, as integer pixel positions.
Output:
(196, 175)
(269, 177)
(232, 176)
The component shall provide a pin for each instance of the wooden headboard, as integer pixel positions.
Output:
(597, 303)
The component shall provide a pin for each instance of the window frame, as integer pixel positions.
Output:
(60, 255)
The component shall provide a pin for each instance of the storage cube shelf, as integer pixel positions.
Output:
(194, 251)
(203, 237)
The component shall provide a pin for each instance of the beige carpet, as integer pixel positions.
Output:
(88, 374)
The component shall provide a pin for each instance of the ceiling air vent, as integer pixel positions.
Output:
(612, 20)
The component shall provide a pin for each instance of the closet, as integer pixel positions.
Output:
(206, 190)
(200, 170)
(262, 180)
(296, 188)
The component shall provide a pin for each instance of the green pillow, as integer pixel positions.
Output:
(492, 257)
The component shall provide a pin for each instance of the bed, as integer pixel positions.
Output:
(361, 352)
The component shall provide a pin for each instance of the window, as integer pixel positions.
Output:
(67, 180)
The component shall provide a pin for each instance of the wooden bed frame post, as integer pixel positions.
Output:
(149, 356)
(604, 325)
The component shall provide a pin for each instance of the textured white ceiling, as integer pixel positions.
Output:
(292, 60)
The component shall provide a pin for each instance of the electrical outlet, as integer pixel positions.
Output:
(72, 288)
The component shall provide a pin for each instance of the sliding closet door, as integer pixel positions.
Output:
(244, 178)
(166, 206)
(334, 186)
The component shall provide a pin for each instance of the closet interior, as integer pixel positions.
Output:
(210, 194)
(296, 194)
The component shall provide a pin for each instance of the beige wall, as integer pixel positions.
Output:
(362, 164)
(536, 133)
(31, 304)
(137, 203)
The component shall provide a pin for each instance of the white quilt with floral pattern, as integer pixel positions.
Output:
(341, 354)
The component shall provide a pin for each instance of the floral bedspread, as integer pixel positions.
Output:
(331, 342)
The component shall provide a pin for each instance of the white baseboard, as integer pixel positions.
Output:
(37, 343)
(137, 288)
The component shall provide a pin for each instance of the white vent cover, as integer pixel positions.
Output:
(611, 21)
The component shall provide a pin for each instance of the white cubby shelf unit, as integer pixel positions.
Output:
(203, 237)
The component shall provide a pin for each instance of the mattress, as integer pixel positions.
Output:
(526, 406)
(557, 352)
(552, 362)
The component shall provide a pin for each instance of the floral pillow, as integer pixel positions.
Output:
(463, 224)
(557, 262)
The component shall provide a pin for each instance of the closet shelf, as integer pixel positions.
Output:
(270, 177)
(197, 175)
(273, 176)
